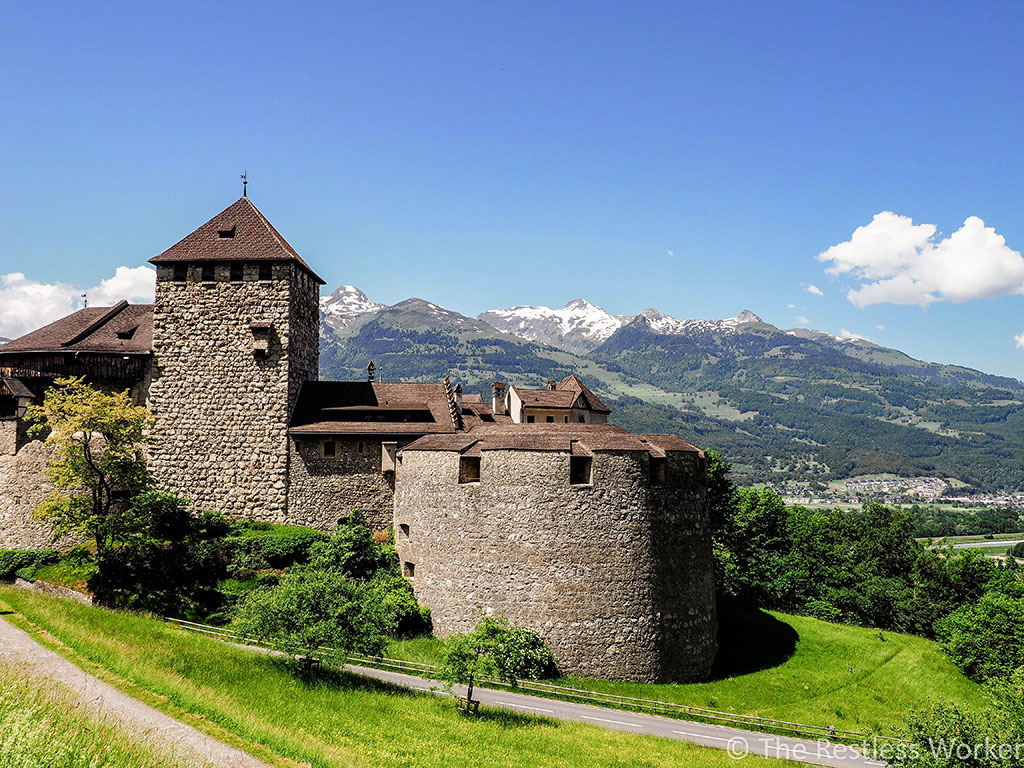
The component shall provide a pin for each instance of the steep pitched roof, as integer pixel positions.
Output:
(545, 398)
(251, 238)
(121, 329)
(573, 384)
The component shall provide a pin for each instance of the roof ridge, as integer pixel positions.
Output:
(96, 324)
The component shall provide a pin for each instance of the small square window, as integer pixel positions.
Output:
(469, 469)
(180, 273)
(550, 419)
(330, 449)
(236, 273)
(403, 528)
(266, 273)
(529, 419)
(409, 570)
(580, 469)
(583, 419)
(208, 273)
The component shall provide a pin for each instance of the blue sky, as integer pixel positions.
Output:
(692, 158)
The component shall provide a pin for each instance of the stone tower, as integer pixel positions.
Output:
(235, 333)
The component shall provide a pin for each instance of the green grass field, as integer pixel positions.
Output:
(256, 702)
(42, 726)
(797, 668)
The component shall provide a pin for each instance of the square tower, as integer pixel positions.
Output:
(235, 333)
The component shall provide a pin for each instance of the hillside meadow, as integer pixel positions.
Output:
(257, 702)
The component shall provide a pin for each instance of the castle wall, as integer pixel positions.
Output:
(220, 407)
(615, 575)
(323, 491)
(23, 486)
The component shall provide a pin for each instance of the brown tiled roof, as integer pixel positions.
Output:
(94, 329)
(580, 439)
(253, 239)
(545, 398)
(573, 383)
(365, 407)
(15, 387)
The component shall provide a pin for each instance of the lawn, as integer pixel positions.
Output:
(257, 702)
(42, 726)
(797, 668)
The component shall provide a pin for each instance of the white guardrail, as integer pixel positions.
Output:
(670, 709)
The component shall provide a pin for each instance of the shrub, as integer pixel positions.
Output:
(14, 560)
(985, 639)
(28, 573)
(1017, 550)
(405, 617)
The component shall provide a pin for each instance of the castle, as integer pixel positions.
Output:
(529, 506)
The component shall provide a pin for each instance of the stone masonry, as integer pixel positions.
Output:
(220, 406)
(614, 574)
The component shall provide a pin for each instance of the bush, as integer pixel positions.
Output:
(28, 573)
(14, 560)
(1017, 550)
(405, 617)
(986, 639)
(272, 549)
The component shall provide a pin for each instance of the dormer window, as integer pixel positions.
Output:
(180, 273)
(127, 333)
(225, 234)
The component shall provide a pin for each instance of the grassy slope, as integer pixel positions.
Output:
(813, 685)
(42, 726)
(339, 720)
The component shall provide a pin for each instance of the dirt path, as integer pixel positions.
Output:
(138, 718)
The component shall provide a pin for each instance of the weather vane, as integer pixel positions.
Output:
(245, 181)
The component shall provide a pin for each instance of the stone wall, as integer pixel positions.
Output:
(616, 575)
(23, 486)
(322, 491)
(221, 407)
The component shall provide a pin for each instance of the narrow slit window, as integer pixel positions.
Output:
(469, 469)
(583, 419)
(208, 273)
(266, 273)
(659, 467)
(580, 470)
(236, 273)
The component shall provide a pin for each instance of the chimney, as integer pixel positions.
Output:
(458, 396)
(552, 385)
(498, 403)
(371, 371)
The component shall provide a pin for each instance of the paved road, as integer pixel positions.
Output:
(987, 543)
(738, 742)
(140, 719)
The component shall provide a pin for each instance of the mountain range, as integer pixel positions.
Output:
(782, 404)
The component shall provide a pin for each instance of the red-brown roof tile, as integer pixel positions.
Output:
(122, 329)
(253, 239)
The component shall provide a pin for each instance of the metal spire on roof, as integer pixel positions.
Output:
(245, 192)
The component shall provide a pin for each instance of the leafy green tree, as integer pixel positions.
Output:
(96, 440)
(168, 559)
(494, 648)
(986, 639)
(351, 549)
(310, 610)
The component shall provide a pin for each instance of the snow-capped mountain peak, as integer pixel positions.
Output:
(346, 301)
(579, 327)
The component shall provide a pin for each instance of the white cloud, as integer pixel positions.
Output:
(899, 262)
(802, 320)
(671, 253)
(879, 327)
(815, 290)
(791, 306)
(1019, 338)
(28, 304)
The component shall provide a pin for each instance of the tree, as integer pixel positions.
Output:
(312, 609)
(494, 648)
(96, 441)
(985, 639)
